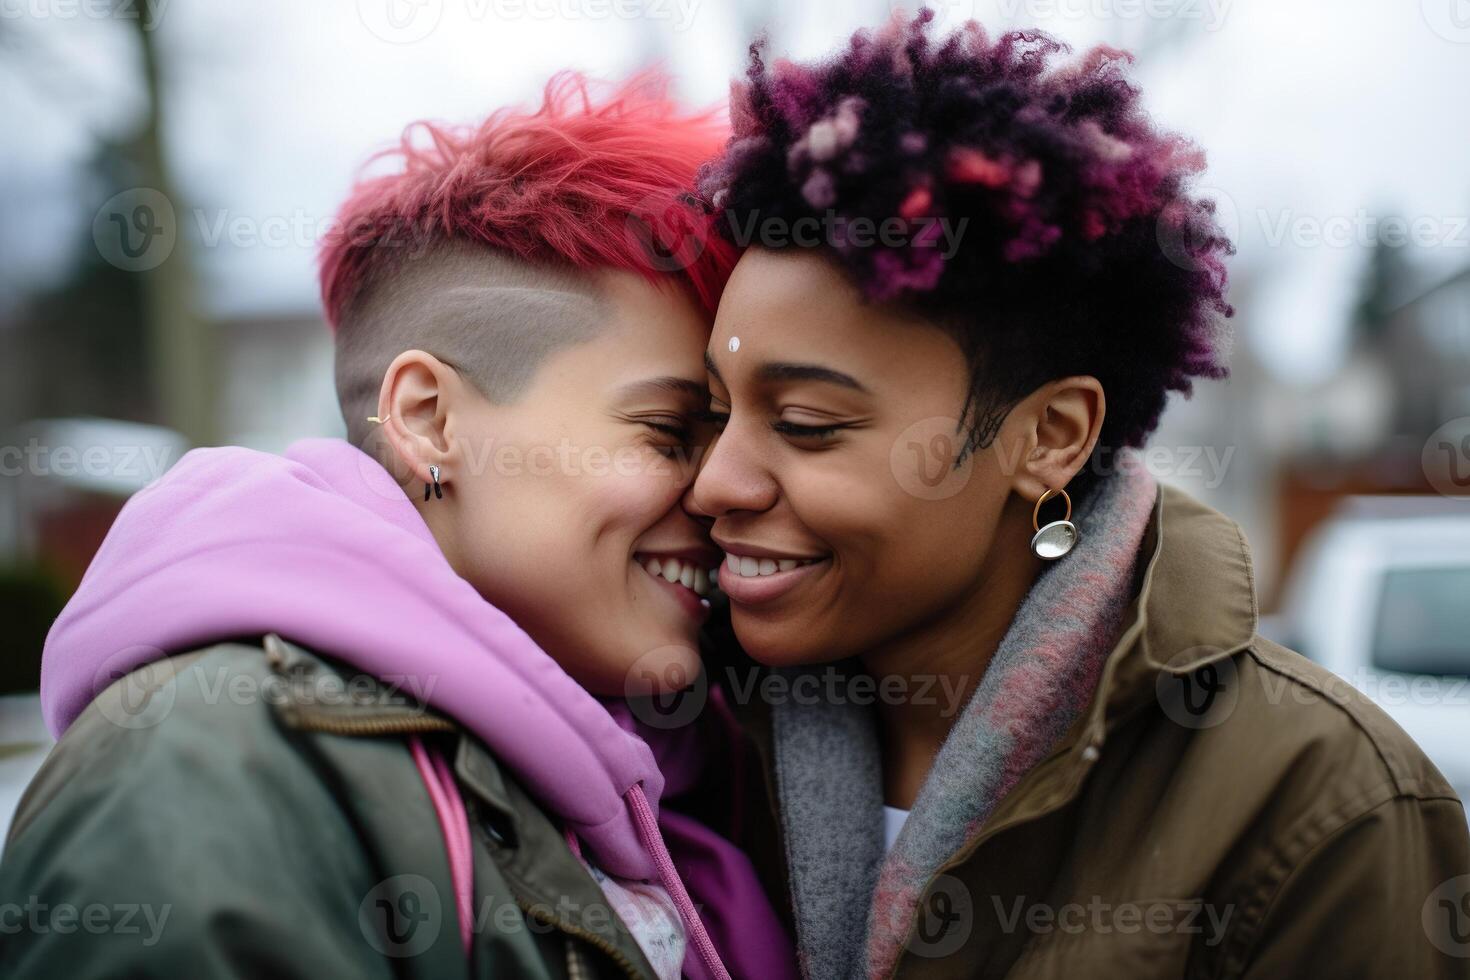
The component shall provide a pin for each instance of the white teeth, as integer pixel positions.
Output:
(681, 572)
(748, 567)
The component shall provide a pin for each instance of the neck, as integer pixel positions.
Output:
(942, 661)
(442, 519)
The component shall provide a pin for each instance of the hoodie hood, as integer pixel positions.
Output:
(322, 546)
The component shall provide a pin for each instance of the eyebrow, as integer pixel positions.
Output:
(789, 371)
(672, 382)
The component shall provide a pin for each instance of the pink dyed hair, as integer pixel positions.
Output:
(578, 182)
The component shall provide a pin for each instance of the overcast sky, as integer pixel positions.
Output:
(1314, 115)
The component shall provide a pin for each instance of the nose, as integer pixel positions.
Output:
(734, 477)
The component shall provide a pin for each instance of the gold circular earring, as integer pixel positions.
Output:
(1057, 538)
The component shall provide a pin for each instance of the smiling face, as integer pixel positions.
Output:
(561, 505)
(832, 485)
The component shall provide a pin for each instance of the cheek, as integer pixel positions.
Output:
(619, 503)
(889, 542)
(871, 510)
(621, 633)
(559, 506)
(849, 514)
(520, 532)
(883, 535)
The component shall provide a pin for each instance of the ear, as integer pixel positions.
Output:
(415, 398)
(1059, 424)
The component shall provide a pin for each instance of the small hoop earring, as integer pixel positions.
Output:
(1057, 538)
(438, 490)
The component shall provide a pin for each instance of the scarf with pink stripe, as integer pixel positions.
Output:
(1041, 677)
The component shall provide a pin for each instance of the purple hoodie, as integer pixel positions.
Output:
(322, 546)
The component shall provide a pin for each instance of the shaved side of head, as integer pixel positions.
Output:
(493, 318)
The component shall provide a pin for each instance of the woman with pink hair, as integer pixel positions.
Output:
(370, 708)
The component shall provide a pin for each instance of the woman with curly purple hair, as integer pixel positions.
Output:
(1015, 713)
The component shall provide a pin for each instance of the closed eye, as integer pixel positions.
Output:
(670, 435)
(798, 431)
(675, 428)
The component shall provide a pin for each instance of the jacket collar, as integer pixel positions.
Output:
(530, 853)
(1196, 605)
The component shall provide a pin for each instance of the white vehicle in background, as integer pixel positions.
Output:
(1380, 595)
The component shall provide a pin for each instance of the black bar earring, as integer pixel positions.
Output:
(438, 490)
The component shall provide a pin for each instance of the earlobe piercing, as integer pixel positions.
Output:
(438, 490)
(374, 418)
(1058, 537)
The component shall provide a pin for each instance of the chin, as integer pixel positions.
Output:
(783, 644)
(663, 666)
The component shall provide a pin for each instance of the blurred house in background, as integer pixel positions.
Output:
(1370, 429)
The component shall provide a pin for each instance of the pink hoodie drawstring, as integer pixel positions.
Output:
(647, 826)
(455, 822)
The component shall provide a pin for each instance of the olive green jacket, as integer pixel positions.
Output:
(254, 811)
(1223, 808)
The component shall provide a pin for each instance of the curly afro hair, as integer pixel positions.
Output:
(1079, 251)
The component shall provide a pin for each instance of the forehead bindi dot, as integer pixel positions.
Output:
(734, 344)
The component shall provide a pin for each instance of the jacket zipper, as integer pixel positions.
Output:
(588, 937)
(307, 721)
